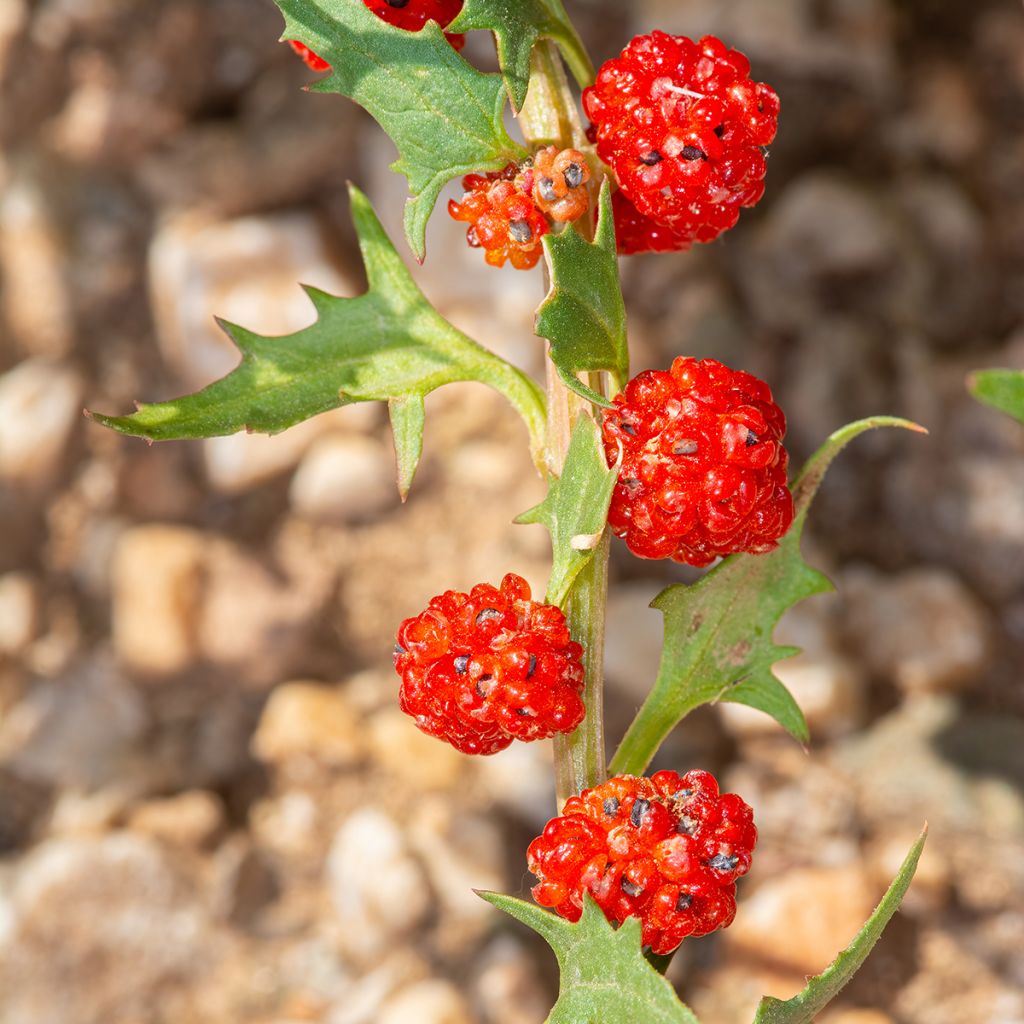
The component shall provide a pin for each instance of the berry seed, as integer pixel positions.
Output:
(651, 158)
(723, 862)
(460, 664)
(693, 153)
(486, 615)
(546, 188)
(520, 231)
(684, 902)
(685, 447)
(574, 175)
(611, 806)
(631, 888)
(639, 812)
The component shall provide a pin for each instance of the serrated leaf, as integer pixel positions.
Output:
(584, 316)
(605, 978)
(408, 416)
(387, 344)
(445, 117)
(517, 26)
(576, 508)
(820, 991)
(1001, 389)
(718, 631)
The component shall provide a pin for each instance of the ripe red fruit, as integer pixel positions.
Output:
(636, 233)
(683, 127)
(504, 219)
(667, 849)
(486, 668)
(313, 62)
(703, 471)
(412, 15)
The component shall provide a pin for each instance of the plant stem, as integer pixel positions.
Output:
(549, 117)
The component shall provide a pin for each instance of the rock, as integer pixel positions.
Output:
(85, 729)
(244, 883)
(412, 758)
(376, 884)
(428, 1002)
(192, 820)
(362, 1001)
(344, 479)
(19, 612)
(40, 402)
(254, 626)
(99, 926)
(923, 630)
(460, 852)
(801, 919)
(507, 985)
(35, 301)
(308, 722)
(157, 578)
(519, 780)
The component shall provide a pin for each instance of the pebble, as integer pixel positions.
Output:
(412, 758)
(344, 478)
(100, 925)
(507, 985)
(427, 1002)
(803, 918)
(19, 612)
(40, 403)
(308, 721)
(157, 580)
(376, 884)
(922, 630)
(192, 820)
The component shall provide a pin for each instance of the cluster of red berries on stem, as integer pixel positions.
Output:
(510, 211)
(410, 15)
(683, 129)
(485, 668)
(666, 849)
(703, 469)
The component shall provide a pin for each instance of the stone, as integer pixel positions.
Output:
(922, 630)
(308, 721)
(84, 729)
(344, 478)
(411, 757)
(157, 583)
(802, 918)
(192, 820)
(100, 925)
(507, 985)
(40, 402)
(35, 300)
(19, 612)
(850, 1015)
(428, 1002)
(362, 1001)
(376, 884)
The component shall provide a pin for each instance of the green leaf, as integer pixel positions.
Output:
(820, 991)
(604, 976)
(445, 117)
(576, 508)
(408, 416)
(385, 345)
(718, 631)
(1001, 389)
(517, 26)
(584, 316)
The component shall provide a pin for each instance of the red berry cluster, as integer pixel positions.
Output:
(503, 218)
(412, 15)
(636, 233)
(486, 668)
(703, 471)
(667, 849)
(683, 127)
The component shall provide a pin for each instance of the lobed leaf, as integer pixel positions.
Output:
(445, 117)
(388, 344)
(718, 631)
(583, 315)
(821, 990)
(576, 508)
(605, 978)
(1001, 389)
(517, 26)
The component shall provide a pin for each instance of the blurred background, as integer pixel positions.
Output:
(211, 808)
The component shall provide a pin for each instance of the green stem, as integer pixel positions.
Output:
(651, 727)
(549, 117)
